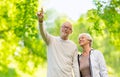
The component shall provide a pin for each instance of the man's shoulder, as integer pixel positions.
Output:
(67, 41)
(73, 43)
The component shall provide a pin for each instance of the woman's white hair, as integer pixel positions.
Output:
(88, 37)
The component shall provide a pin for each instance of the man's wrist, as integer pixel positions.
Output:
(40, 23)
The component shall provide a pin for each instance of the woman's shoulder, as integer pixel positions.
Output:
(96, 52)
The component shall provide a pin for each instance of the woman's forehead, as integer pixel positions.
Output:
(82, 35)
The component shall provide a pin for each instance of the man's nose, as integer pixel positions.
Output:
(66, 29)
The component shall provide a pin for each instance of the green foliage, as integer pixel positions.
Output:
(22, 50)
(110, 16)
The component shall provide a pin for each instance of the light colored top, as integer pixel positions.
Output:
(97, 64)
(85, 66)
(62, 57)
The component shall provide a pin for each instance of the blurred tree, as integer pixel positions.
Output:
(21, 47)
(103, 24)
(22, 50)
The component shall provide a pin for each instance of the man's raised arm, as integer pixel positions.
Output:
(40, 20)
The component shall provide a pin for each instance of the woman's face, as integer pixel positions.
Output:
(83, 40)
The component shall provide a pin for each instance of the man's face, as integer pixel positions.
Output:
(83, 40)
(66, 29)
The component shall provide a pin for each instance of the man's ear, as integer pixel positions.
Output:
(71, 32)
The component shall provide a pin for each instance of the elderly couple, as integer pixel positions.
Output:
(62, 55)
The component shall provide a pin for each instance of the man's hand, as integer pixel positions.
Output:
(40, 16)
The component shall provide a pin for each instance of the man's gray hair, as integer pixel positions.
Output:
(88, 37)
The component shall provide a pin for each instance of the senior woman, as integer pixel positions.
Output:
(91, 61)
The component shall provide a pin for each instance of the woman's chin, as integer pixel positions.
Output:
(81, 45)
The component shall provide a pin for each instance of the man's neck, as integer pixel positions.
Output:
(64, 38)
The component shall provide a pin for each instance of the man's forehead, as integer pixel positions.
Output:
(67, 24)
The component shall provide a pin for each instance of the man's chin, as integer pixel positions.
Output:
(65, 34)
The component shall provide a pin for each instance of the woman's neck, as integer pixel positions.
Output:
(86, 50)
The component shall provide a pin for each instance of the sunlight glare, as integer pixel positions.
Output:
(72, 8)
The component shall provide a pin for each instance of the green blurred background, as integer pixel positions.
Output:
(22, 50)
